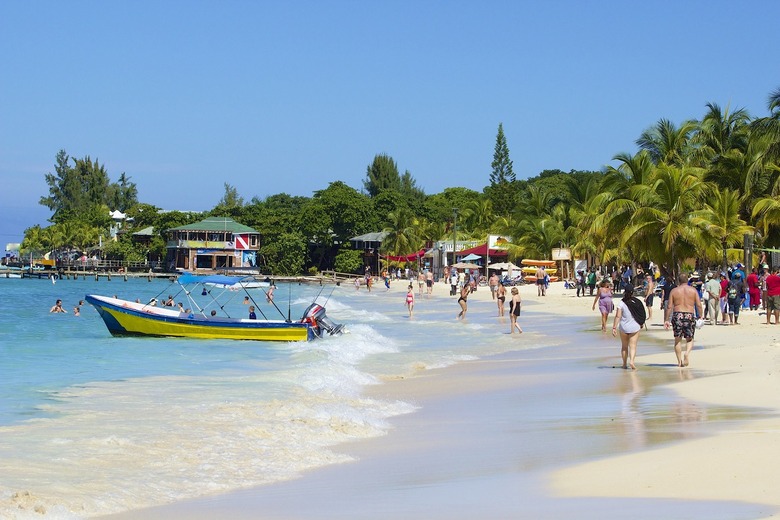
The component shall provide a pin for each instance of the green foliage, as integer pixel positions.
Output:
(382, 174)
(83, 192)
(502, 171)
(348, 261)
(285, 256)
(125, 250)
(503, 189)
(230, 205)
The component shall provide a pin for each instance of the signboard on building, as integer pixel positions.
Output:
(498, 241)
(561, 254)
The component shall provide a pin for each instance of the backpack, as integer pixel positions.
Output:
(733, 291)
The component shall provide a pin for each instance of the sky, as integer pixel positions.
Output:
(287, 97)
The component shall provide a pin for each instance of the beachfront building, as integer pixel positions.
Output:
(369, 243)
(215, 243)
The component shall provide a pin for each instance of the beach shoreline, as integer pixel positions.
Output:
(733, 369)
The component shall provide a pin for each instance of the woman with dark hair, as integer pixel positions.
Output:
(630, 317)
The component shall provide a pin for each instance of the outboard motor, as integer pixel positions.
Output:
(315, 314)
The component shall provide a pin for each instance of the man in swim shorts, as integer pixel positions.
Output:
(541, 285)
(684, 305)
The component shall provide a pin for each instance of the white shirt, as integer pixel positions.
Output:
(627, 322)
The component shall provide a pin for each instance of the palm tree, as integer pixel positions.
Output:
(401, 238)
(720, 220)
(536, 238)
(661, 219)
(478, 216)
(667, 143)
(720, 132)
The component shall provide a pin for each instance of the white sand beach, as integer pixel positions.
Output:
(556, 433)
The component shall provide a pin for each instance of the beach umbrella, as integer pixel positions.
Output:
(470, 257)
(504, 266)
(465, 265)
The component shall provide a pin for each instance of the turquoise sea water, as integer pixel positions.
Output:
(92, 424)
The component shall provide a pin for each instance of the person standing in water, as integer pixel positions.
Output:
(630, 317)
(514, 311)
(604, 301)
(500, 298)
(410, 299)
(465, 290)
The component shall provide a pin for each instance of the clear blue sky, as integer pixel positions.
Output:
(286, 97)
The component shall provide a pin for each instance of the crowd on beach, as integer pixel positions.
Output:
(687, 302)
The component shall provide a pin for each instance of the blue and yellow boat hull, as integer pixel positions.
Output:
(124, 318)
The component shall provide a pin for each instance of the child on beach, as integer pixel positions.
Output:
(514, 311)
(410, 299)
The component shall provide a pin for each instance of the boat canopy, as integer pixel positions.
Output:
(188, 278)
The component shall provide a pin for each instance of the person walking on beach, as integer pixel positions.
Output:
(712, 290)
(493, 283)
(604, 301)
(453, 282)
(735, 295)
(754, 289)
(500, 298)
(591, 281)
(410, 299)
(421, 282)
(629, 319)
(772, 283)
(514, 311)
(465, 290)
(684, 301)
(649, 295)
(429, 281)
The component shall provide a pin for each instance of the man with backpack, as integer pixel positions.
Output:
(684, 302)
(735, 294)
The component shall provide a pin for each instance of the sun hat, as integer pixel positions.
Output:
(695, 274)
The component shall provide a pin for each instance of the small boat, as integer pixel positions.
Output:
(126, 318)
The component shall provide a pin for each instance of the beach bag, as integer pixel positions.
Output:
(732, 292)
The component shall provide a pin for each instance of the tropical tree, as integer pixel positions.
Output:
(667, 143)
(660, 214)
(720, 221)
(401, 234)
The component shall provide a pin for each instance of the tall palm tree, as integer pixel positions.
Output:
(721, 222)
(667, 143)
(401, 238)
(661, 220)
(478, 216)
(720, 132)
(535, 237)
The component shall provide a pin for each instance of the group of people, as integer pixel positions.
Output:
(58, 308)
(687, 302)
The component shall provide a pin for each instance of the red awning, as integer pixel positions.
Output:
(482, 250)
(408, 258)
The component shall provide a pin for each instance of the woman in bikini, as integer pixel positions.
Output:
(462, 301)
(500, 298)
(410, 299)
(514, 311)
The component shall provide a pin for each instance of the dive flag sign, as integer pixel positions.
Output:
(241, 241)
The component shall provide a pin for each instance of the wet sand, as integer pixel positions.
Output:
(554, 433)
